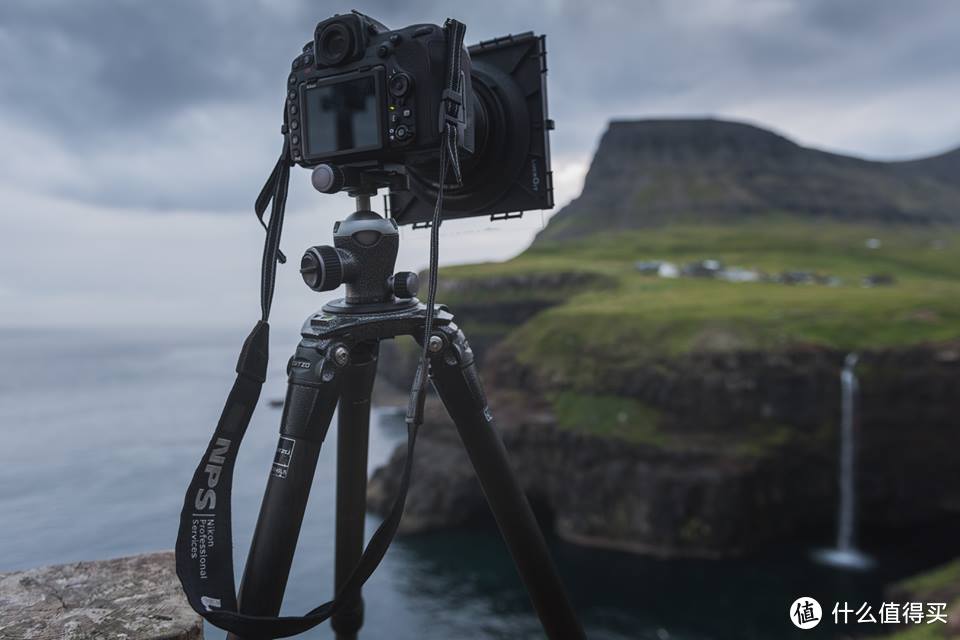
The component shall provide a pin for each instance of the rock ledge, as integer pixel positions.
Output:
(132, 598)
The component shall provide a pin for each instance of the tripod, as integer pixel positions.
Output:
(334, 366)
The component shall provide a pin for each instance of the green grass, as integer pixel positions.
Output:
(647, 319)
(609, 416)
(530, 279)
(935, 583)
(614, 319)
(774, 244)
(624, 316)
(635, 422)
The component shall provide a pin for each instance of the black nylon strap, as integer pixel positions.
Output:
(209, 584)
(204, 547)
(449, 156)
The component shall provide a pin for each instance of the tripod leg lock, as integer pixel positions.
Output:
(458, 355)
(455, 349)
(317, 362)
(312, 391)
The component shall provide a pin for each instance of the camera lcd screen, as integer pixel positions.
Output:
(342, 116)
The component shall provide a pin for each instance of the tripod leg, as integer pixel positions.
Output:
(312, 394)
(353, 430)
(457, 381)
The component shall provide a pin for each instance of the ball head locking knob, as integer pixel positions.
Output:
(404, 284)
(322, 268)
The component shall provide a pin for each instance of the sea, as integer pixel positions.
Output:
(101, 429)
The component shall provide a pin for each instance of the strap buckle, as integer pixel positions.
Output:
(451, 108)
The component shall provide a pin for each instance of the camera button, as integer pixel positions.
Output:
(406, 113)
(294, 124)
(293, 108)
(401, 132)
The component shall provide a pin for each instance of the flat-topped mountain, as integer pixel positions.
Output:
(652, 172)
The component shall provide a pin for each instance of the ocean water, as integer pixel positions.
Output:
(100, 430)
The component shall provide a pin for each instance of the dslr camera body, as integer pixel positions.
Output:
(365, 103)
(366, 97)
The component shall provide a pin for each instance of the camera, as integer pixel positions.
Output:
(366, 97)
(365, 108)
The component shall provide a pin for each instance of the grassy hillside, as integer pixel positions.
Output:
(623, 316)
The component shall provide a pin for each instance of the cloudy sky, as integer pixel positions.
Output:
(134, 135)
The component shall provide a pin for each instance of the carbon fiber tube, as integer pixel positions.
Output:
(307, 412)
(353, 433)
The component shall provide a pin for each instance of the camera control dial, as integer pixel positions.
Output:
(400, 84)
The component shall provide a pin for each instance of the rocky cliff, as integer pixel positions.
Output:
(713, 455)
(650, 172)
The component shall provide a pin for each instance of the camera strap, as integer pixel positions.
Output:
(204, 547)
(451, 120)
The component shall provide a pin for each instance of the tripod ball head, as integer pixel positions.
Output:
(363, 256)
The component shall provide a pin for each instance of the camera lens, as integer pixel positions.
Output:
(334, 43)
(399, 84)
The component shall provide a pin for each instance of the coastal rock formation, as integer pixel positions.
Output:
(742, 453)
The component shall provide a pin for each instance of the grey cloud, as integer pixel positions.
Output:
(127, 63)
(174, 105)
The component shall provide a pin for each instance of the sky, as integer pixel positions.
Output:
(135, 135)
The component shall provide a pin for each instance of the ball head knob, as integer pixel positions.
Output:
(405, 284)
(322, 268)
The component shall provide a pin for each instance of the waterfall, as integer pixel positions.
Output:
(845, 554)
(848, 491)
